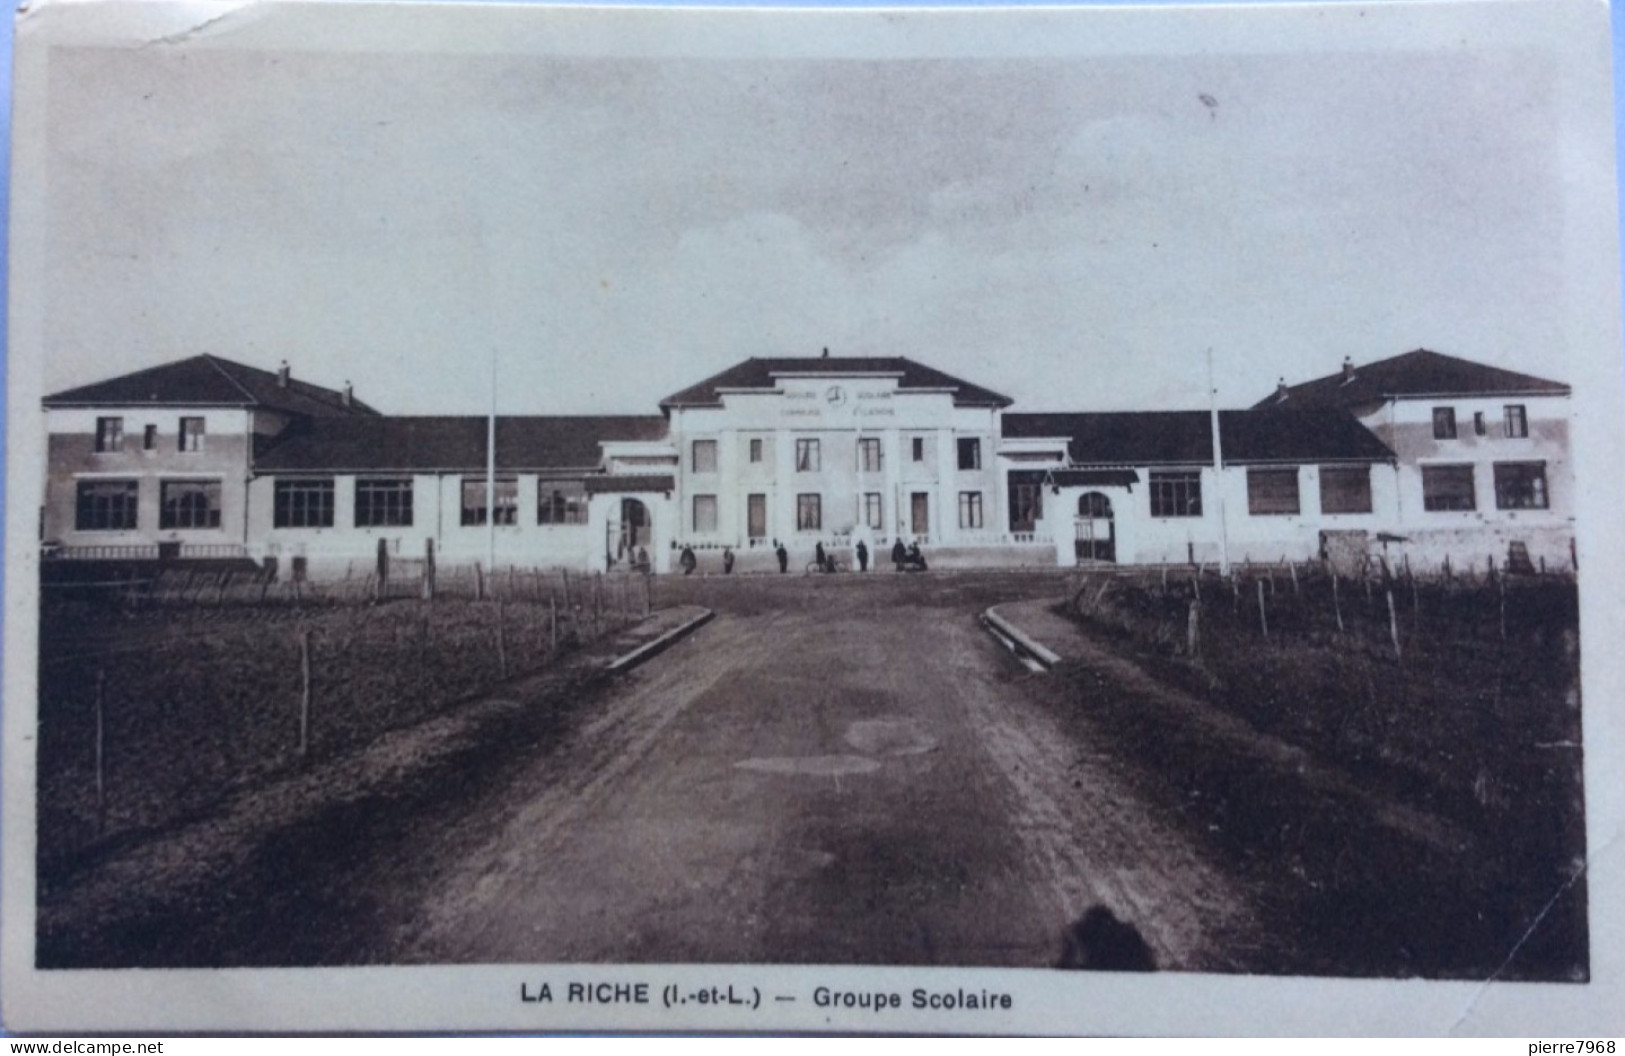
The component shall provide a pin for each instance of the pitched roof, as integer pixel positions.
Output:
(1152, 438)
(1421, 373)
(760, 374)
(448, 444)
(209, 381)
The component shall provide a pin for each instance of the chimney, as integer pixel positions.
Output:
(349, 393)
(1280, 390)
(826, 351)
(1348, 369)
(282, 373)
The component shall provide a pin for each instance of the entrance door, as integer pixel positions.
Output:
(920, 512)
(756, 516)
(635, 525)
(1096, 535)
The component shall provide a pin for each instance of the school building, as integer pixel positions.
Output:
(1421, 455)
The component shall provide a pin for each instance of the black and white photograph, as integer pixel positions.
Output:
(958, 521)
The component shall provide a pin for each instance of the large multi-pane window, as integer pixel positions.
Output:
(809, 513)
(1444, 423)
(1026, 506)
(1272, 491)
(1176, 492)
(383, 503)
(1345, 489)
(191, 434)
(303, 503)
(705, 456)
(705, 513)
(869, 455)
(871, 517)
(503, 509)
(1448, 488)
(970, 453)
(189, 504)
(1520, 486)
(1517, 420)
(560, 506)
(807, 456)
(970, 509)
(106, 505)
(109, 434)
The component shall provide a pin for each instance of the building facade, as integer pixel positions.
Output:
(1421, 457)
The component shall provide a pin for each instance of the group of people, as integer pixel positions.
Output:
(906, 558)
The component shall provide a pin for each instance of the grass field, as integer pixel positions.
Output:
(1473, 717)
(189, 696)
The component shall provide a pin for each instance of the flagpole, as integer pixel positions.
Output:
(1218, 468)
(491, 475)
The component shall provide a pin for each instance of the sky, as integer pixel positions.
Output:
(1073, 232)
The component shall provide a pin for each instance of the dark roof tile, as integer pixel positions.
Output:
(448, 444)
(759, 374)
(1153, 438)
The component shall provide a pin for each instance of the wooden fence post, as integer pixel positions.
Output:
(1193, 640)
(552, 624)
(101, 758)
(502, 640)
(1263, 620)
(381, 586)
(479, 583)
(304, 693)
(428, 570)
(1292, 566)
(1393, 623)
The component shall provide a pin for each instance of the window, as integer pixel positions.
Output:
(1176, 493)
(149, 438)
(869, 455)
(107, 505)
(1345, 489)
(970, 509)
(1272, 491)
(756, 449)
(705, 513)
(191, 434)
(916, 448)
(970, 453)
(1517, 421)
(383, 503)
(109, 434)
(807, 460)
(1026, 506)
(304, 504)
(506, 504)
(189, 504)
(1444, 423)
(558, 506)
(1520, 486)
(705, 456)
(809, 513)
(871, 510)
(1480, 427)
(1448, 488)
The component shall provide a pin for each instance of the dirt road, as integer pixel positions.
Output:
(822, 774)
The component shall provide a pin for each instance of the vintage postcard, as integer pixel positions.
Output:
(941, 521)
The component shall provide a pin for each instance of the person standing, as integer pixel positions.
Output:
(818, 556)
(727, 560)
(899, 553)
(687, 560)
(784, 558)
(863, 557)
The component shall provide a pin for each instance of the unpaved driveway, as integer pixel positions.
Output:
(834, 779)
